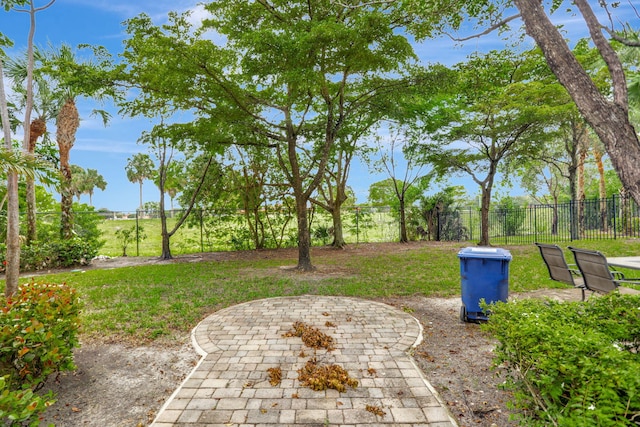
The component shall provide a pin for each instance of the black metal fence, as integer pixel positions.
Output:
(611, 218)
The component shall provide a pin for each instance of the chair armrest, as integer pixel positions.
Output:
(630, 281)
(618, 275)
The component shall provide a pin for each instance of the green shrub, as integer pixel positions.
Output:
(322, 233)
(126, 236)
(38, 332)
(571, 364)
(75, 251)
(55, 254)
(21, 406)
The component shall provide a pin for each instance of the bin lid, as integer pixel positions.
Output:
(484, 252)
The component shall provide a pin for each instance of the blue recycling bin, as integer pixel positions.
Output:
(484, 274)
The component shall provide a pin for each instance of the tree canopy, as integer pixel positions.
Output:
(500, 111)
(289, 76)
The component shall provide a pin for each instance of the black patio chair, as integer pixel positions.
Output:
(559, 270)
(596, 272)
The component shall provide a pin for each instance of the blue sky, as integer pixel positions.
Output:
(99, 22)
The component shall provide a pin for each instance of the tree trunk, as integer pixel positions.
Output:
(554, 223)
(304, 238)
(609, 119)
(12, 272)
(403, 222)
(38, 128)
(578, 128)
(12, 267)
(140, 208)
(254, 222)
(66, 202)
(338, 234)
(166, 235)
(580, 195)
(32, 228)
(67, 122)
(485, 204)
(166, 238)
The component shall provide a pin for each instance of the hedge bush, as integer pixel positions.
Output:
(55, 254)
(571, 364)
(39, 328)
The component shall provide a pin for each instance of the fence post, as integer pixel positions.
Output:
(357, 225)
(137, 235)
(201, 231)
(535, 223)
(572, 220)
(615, 217)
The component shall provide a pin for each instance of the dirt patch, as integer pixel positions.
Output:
(117, 385)
(456, 358)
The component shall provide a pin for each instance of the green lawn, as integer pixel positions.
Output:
(186, 239)
(165, 301)
(374, 227)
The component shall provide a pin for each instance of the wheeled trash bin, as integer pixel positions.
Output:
(484, 274)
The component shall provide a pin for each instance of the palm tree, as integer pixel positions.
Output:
(67, 122)
(45, 106)
(93, 180)
(73, 79)
(27, 166)
(138, 168)
(77, 181)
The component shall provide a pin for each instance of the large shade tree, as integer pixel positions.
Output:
(498, 114)
(333, 192)
(165, 147)
(607, 113)
(406, 182)
(291, 72)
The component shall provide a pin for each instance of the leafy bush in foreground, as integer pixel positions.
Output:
(571, 364)
(38, 332)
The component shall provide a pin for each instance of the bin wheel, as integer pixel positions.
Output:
(463, 314)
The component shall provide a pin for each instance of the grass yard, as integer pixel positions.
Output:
(373, 227)
(186, 239)
(162, 301)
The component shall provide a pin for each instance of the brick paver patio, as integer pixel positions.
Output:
(230, 386)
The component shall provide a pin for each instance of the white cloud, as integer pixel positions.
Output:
(97, 145)
(198, 14)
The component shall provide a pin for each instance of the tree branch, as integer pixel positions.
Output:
(608, 54)
(487, 31)
(35, 9)
(625, 41)
(192, 202)
(614, 34)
